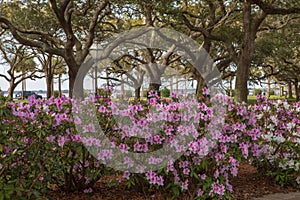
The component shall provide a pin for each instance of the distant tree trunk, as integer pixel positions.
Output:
(290, 90)
(122, 86)
(52, 86)
(230, 86)
(59, 85)
(296, 89)
(137, 93)
(23, 86)
(269, 87)
(177, 83)
(281, 90)
(107, 77)
(49, 76)
(49, 83)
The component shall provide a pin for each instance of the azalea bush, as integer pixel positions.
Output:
(203, 168)
(190, 146)
(279, 122)
(40, 147)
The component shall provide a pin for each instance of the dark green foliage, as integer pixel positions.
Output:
(257, 91)
(165, 92)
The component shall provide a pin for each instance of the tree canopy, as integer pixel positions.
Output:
(248, 40)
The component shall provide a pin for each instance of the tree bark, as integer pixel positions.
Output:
(137, 93)
(11, 89)
(75, 88)
(244, 63)
(23, 86)
(296, 89)
(148, 15)
(49, 83)
(242, 73)
(49, 75)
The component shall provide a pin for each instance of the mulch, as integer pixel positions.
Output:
(247, 185)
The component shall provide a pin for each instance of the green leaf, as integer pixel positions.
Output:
(175, 191)
(1, 196)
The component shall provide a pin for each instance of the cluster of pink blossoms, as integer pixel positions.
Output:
(212, 137)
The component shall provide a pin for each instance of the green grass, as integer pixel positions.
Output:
(252, 99)
(20, 100)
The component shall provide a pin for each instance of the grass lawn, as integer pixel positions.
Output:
(252, 99)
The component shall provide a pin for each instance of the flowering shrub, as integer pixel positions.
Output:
(104, 94)
(280, 137)
(42, 143)
(40, 147)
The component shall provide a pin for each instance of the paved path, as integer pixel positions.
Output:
(281, 196)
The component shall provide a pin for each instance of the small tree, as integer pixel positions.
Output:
(20, 63)
(51, 65)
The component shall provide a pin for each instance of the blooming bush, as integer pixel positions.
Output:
(190, 147)
(40, 147)
(280, 137)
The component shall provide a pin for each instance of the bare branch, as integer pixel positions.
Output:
(6, 78)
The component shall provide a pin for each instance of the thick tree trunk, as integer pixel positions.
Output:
(247, 50)
(10, 92)
(75, 82)
(241, 83)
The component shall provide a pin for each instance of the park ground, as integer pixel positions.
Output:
(247, 185)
